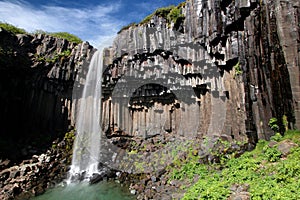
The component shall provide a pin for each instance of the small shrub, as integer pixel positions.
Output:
(238, 69)
(65, 53)
(277, 137)
(175, 15)
(273, 124)
(272, 153)
(163, 12)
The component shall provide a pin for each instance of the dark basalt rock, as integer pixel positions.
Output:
(241, 59)
(36, 83)
(97, 178)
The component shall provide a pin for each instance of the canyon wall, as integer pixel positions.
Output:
(238, 59)
(222, 71)
(37, 78)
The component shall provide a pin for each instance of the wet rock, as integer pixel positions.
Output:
(133, 192)
(24, 196)
(16, 189)
(38, 190)
(97, 178)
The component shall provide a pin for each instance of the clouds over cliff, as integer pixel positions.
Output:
(92, 23)
(95, 20)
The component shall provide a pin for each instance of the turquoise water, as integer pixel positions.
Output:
(83, 191)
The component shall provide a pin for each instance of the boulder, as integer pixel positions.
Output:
(286, 146)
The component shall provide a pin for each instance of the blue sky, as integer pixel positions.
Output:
(96, 21)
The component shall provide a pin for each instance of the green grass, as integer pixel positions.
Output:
(64, 35)
(54, 57)
(238, 69)
(12, 29)
(127, 27)
(175, 15)
(161, 12)
(68, 36)
(170, 13)
(268, 175)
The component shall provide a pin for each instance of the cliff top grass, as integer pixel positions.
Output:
(12, 29)
(68, 36)
(171, 13)
(265, 172)
(63, 35)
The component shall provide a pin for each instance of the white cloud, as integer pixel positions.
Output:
(94, 24)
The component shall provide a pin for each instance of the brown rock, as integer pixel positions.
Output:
(285, 147)
(38, 190)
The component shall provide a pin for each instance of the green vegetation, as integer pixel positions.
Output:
(12, 29)
(68, 36)
(238, 69)
(273, 124)
(147, 19)
(64, 35)
(170, 13)
(55, 57)
(279, 125)
(268, 174)
(69, 139)
(175, 15)
(36, 32)
(161, 12)
(127, 27)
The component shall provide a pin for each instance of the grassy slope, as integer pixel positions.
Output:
(268, 174)
(64, 35)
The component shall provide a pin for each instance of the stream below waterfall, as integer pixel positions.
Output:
(84, 191)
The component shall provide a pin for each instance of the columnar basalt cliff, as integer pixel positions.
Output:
(240, 58)
(224, 69)
(217, 68)
(37, 77)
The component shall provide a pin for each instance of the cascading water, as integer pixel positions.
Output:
(86, 148)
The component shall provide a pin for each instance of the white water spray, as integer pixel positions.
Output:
(86, 148)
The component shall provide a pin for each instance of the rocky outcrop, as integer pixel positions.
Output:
(224, 71)
(238, 59)
(33, 176)
(36, 81)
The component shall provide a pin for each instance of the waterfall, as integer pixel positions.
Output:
(86, 148)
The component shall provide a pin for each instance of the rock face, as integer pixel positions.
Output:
(239, 59)
(224, 71)
(33, 176)
(37, 77)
